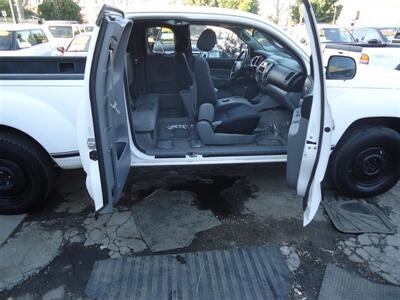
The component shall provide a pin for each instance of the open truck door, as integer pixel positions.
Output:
(309, 141)
(103, 132)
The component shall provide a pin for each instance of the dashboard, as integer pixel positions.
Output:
(280, 78)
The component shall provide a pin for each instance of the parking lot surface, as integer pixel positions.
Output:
(50, 253)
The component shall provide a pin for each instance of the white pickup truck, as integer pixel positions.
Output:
(380, 55)
(133, 107)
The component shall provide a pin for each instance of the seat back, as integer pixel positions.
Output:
(206, 92)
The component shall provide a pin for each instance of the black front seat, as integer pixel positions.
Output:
(227, 124)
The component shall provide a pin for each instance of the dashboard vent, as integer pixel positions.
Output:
(290, 75)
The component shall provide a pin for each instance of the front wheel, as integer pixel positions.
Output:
(26, 174)
(367, 163)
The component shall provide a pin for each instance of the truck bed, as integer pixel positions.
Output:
(42, 68)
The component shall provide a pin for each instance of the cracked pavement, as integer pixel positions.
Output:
(379, 252)
(176, 210)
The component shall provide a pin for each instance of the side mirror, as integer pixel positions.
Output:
(24, 45)
(341, 68)
(373, 41)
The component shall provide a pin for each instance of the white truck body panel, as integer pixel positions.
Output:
(50, 117)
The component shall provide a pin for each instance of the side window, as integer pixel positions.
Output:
(25, 39)
(39, 36)
(228, 43)
(160, 40)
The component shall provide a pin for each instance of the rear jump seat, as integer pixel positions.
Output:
(144, 119)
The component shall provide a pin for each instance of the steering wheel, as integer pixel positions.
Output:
(239, 65)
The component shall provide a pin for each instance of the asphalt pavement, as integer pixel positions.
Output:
(49, 253)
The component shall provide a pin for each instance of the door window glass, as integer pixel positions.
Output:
(76, 30)
(397, 36)
(25, 37)
(160, 40)
(39, 36)
(5, 40)
(229, 45)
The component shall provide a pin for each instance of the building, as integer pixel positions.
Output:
(370, 12)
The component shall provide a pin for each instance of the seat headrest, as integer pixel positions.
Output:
(182, 43)
(207, 40)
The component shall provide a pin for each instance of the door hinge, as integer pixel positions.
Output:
(93, 155)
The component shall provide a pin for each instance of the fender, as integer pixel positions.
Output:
(350, 104)
(49, 118)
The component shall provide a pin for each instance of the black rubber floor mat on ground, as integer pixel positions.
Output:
(249, 273)
(357, 216)
(340, 284)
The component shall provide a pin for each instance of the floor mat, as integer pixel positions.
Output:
(357, 216)
(248, 273)
(340, 284)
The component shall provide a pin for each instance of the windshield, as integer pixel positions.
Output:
(5, 40)
(270, 44)
(388, 33)
(79, 44)
(61, 31)
(335, 35)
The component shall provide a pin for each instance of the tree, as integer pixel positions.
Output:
(5, 5)
(280, 7)
(245, 5)
(202, 2)
(60, 10)
(326, 11)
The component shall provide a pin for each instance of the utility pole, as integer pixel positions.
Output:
(15, 11)
(10, 2)
(334, 13)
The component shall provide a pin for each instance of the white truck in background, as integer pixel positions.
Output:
(338, 40)
(69, 112)
(385, 56)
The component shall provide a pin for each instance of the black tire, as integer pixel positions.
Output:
(367, 162)
(26, 174)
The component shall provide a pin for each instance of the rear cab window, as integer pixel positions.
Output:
(228, 43)
(160, 40)
(335, 35)
(61, 31)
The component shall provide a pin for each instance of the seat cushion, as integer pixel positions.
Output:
(145, 112)
(239, 119)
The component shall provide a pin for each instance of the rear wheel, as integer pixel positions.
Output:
(26, 174)
(367, 162)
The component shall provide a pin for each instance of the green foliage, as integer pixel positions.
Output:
(324, 10)
(202, 2)
(245, 5)
(60, 10)
(5, 5)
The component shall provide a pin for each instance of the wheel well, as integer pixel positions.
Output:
(389, 122)
(23, 135)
